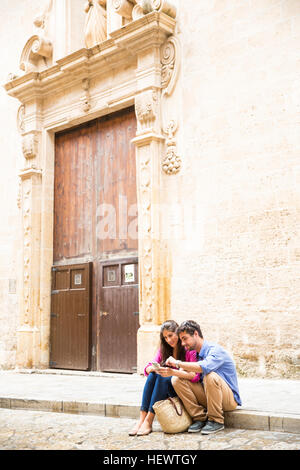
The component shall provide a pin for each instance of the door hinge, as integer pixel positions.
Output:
(136, 313)
(52, 363)
(54, 315)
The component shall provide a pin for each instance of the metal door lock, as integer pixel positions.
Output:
(104, 314)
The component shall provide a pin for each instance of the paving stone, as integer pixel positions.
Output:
(38, 430)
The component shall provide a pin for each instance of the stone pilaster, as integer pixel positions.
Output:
(154, 293)
(28, 339)
(28, 331)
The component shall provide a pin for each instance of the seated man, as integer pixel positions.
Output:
(217, 390)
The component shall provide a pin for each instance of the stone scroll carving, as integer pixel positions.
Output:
(95, 30)
(37, 52)
(170, 58)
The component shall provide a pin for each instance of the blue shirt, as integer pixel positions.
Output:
(214, 358)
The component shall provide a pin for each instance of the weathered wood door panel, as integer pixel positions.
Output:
(95, 200)
(70, 317)
(95, 213)
(119, 319)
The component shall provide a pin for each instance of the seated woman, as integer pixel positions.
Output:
(158, 385)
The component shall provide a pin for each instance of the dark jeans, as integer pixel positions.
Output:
(156, 388)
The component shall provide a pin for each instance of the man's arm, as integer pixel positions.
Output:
(213, 361)
(187, 366)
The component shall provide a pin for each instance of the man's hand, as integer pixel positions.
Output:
(171, 361)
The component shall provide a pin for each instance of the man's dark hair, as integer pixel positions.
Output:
(190, 327)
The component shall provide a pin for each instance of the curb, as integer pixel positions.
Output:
(240, 418)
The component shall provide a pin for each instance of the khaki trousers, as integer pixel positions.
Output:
(207, 400)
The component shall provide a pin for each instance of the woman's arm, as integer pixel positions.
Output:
(149, 367)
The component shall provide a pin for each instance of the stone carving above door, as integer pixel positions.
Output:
(36, 55)
(134, 9)
(30, 144)
(123, 8)
(146, 108)
(95, 23)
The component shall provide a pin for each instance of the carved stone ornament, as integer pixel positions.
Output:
(164, 6)
(146, 105)
(123, 8)
(137, 12)
(36, 54)
(30, 145)
(171, 164)
(20, 119)
(95, 30)
(134, 9)
(170, 60)
(86, 105)
(42, 19)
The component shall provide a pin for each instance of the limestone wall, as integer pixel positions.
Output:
(236, 264)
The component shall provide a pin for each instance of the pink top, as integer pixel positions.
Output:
(190, 356)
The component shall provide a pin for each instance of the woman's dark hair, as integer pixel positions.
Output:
(190, 327)
(165, 348)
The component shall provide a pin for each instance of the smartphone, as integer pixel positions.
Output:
(156, 365)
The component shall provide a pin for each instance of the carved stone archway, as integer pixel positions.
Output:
(125, 69)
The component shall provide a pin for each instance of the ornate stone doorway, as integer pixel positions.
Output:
(133, 67)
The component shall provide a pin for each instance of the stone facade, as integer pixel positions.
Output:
(215, 89)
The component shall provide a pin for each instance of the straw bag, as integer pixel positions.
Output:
(172, 415)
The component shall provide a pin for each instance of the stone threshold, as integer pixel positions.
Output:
(84, 373)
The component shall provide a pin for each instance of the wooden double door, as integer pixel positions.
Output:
(94, 300)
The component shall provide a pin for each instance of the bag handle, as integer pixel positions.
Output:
(174, 405)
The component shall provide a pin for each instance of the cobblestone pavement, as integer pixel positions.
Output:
(25, 430)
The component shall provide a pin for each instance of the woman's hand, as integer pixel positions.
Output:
(165, 372)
